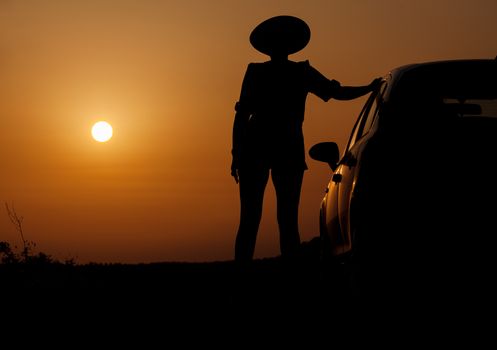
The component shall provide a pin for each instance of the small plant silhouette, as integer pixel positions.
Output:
(8, 256)
(27, 255)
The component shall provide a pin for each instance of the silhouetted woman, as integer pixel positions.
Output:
(267, 131)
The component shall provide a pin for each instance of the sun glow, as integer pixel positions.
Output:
(101, 131)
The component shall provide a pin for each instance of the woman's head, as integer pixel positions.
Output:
(280, 36)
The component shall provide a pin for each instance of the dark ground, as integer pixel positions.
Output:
(269, 299)
(214, 302)
(265, 285)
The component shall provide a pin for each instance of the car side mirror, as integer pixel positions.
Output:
(326, 152)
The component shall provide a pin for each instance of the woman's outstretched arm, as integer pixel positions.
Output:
(351, 92)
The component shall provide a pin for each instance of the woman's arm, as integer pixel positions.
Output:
(326, 88)
(239, 125)
(242, 116)
(351, 92)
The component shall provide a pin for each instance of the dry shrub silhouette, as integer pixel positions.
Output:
(27, 255)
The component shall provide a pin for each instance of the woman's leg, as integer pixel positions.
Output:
(288, 184)
(252, 185)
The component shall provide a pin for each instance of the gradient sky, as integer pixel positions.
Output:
(166, 75)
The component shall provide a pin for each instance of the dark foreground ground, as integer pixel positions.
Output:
(216, 301)
(266, 286)
(212, 302)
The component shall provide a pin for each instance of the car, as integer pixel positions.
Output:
(412, 198)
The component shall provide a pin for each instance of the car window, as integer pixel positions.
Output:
(355, 131)
(371, 113)
(367, 116)
(360, 121)
(471, 107)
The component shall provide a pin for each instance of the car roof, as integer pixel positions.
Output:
(443, 70)
(434, 64)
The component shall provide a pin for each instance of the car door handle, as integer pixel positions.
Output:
(350, 161)
(336, 178)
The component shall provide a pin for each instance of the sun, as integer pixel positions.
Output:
(101, 131)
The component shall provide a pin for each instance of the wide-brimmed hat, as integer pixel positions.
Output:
(280, 35)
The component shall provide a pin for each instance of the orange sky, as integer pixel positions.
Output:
(166, 75)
